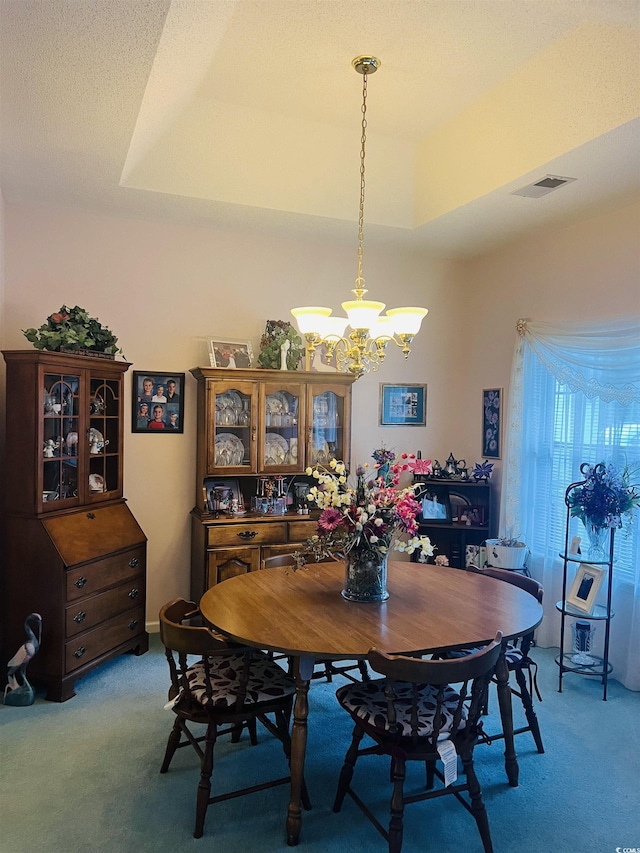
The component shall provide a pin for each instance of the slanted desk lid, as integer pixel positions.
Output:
(91, 533)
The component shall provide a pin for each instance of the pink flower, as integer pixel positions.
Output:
(422, 466)
(329, 520)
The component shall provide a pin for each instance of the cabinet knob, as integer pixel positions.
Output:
(132, 625)
(133, 562)
(133, 593)
(80, 617)
(247, 534)
(81, 582)
(79, 652)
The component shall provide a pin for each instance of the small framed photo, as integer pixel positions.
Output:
(403, 405)
(436, 507)
(472, 515)
(223, 495)
(157, 402)
(585, 586)
(232, 354)
(492, 423)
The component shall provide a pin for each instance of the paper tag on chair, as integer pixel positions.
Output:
(449, 756)
(169, 705)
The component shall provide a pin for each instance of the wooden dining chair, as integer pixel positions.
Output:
(519, 661)
(415, 714)
(227, 688)
(326, 668)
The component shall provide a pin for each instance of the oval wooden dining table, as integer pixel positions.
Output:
(429, 609)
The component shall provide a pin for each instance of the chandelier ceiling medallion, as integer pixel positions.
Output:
(364, 347)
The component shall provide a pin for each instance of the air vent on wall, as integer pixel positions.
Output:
(547, 185)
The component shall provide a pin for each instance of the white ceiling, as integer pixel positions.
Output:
(247, 112)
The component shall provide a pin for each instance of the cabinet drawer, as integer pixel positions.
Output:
(300, 531)
(101, 574)
(85, 647)
(88, 612)
(246, 534)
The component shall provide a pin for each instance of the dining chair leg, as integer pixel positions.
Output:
(172, 744)
(346, 774)
(431, 774)
(478, 809)
(397, 804)
(530, 714)
(204, 786)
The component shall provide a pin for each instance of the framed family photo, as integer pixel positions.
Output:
(157, 402)
(585, 586)
(492, 423)
(403, 405)
(223, 353)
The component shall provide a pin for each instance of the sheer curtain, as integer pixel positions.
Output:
(574, 397)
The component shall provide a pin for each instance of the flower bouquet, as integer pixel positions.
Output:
(364, 521)
(602, 501)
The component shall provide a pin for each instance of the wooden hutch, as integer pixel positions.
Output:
(74, 553)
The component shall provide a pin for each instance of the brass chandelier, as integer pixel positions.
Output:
(364, 347)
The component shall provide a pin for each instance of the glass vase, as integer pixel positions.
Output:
(365, 576)
(597, 541)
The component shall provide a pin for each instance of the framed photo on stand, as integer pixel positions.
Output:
(585, 587)
(224, 353)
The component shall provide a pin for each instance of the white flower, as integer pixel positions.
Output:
(378, 522)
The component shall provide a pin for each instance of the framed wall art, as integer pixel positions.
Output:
(157, 402)
(223, 353)
(403, 405)
(585, 586)
(492, 423)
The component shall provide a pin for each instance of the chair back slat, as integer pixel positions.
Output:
(186, 639)
(436, 672)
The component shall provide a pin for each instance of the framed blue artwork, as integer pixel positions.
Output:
(403, 405)
(492, 423)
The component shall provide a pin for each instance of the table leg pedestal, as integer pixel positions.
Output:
(303, 670)
(506, 717)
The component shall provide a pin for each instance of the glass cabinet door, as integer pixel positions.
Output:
(232, 411)
(326, 432)
(60, 431)
(104, 437)
(280, 412)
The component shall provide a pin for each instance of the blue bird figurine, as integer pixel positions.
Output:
(18, 691)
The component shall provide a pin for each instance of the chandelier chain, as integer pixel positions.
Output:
(359, 288)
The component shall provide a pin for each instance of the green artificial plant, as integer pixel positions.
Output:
(72, 329)
(275, 334)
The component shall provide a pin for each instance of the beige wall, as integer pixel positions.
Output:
(166, 289)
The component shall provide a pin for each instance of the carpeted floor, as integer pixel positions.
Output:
(82, 777)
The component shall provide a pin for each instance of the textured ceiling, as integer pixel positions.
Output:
(248, 112)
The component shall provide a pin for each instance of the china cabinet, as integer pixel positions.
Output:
(580, 659)
(258, 430)
(460, 517)
(74, 552)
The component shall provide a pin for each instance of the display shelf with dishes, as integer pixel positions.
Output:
(74, 551)
(285, 421)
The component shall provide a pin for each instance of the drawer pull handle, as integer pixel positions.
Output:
(79, 652)
(133, 562)
(247, 534)
(81, 582)
(80, 617)
(91, 516)
(133, 593)
(133, 625)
